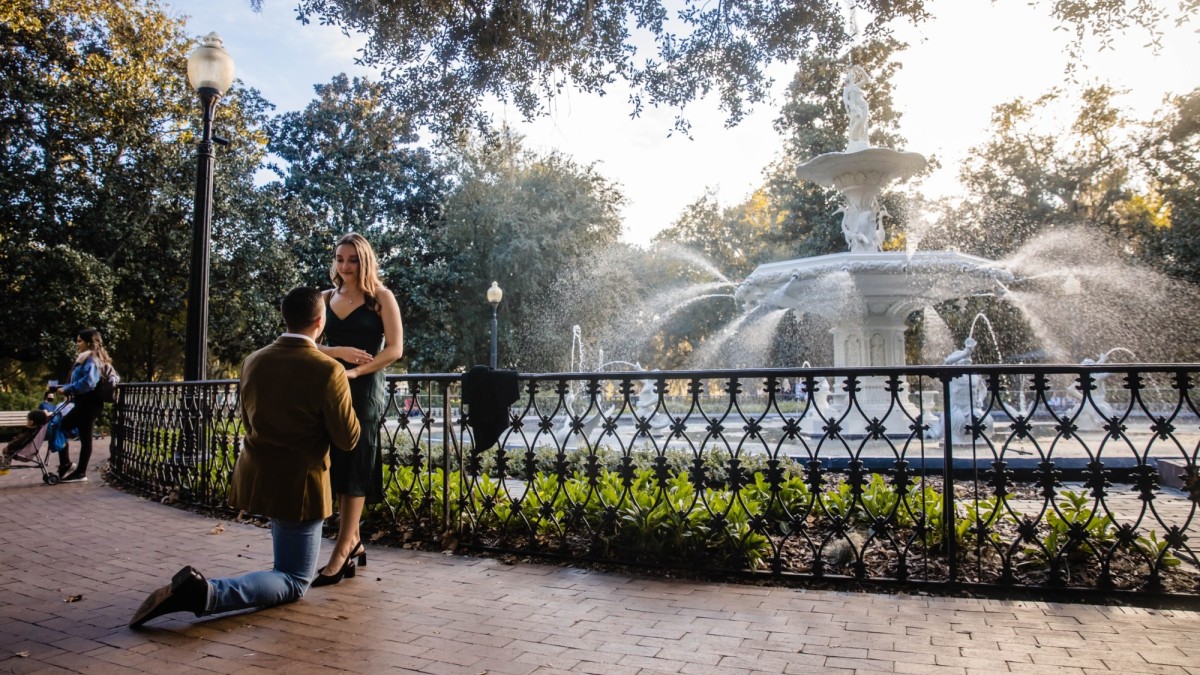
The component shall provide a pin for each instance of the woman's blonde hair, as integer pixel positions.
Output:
(368, 267)
(95, 344)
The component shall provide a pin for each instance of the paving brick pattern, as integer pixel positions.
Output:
(416, 612)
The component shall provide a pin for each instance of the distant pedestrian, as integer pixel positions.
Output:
(91, 360)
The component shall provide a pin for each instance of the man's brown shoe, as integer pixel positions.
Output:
(187, 592)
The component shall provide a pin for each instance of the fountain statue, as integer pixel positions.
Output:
(861, 172)
(856, 107)
(1094, 416)
(647, 403)
(886, 286)
(819, 410)
(967, 398)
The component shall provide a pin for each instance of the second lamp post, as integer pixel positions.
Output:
(494, 294)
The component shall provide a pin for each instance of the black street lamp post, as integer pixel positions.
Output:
(494, 295)
(210, 72)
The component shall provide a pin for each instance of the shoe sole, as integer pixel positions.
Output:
(158, 597)
(150, 604)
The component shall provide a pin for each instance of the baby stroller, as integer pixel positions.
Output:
(50, 438)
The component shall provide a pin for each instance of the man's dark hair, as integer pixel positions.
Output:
(301, 307)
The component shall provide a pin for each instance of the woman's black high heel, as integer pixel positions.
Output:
(360, 551)
(347, 571)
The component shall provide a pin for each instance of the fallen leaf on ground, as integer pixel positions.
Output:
(73, 598)
(23, 654)
(218, 529)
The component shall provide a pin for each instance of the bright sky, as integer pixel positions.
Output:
(974, 55)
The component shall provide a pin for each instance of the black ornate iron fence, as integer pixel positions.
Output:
(1068, 478)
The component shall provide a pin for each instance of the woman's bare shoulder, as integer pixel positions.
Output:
(385, 298)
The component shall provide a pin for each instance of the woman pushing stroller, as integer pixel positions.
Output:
(90, 363)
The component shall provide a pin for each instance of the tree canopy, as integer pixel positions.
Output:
(446, 58)
(98, 124)
(521, 219)
(91, 111)
(1169, 150)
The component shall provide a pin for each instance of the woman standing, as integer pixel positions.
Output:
(85, 375)
(364, 331)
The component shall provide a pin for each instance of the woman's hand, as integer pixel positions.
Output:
(353, 355)
(351, 373)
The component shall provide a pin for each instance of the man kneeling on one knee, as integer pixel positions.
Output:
(295, 405)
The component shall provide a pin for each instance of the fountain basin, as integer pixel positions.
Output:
(868, 166)
(890, 283)
(867, 296)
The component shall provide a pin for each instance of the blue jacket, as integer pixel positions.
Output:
(84, 378)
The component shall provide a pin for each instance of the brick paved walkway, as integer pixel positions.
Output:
(430, 613)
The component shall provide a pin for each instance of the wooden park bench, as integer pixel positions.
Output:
(13, 418)
(11, 422)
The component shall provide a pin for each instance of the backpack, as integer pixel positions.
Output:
(107, 387)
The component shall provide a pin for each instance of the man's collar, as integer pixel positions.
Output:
(299, 335)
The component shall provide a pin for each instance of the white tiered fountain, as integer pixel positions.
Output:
(885, 286)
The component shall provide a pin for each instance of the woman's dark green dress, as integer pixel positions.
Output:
(359, 473)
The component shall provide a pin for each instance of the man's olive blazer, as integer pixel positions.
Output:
(295, 404)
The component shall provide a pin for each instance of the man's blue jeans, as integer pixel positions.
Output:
(297, 547)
